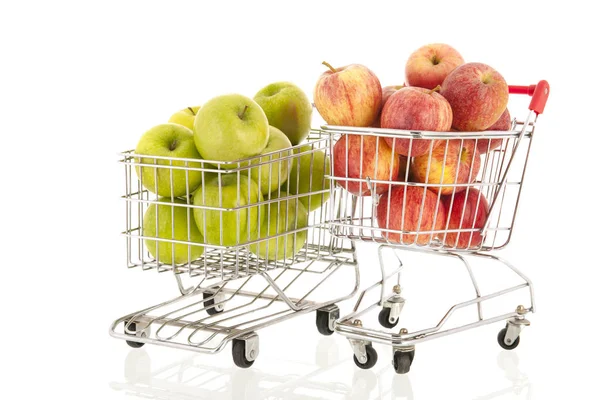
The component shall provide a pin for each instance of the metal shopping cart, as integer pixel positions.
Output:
(451, 200)
(242, 262)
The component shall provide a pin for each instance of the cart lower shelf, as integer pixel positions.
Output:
(401, 340)
(206, 318)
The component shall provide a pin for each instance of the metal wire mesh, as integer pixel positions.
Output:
(460, 191)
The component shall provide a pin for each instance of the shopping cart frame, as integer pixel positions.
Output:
(402, 341)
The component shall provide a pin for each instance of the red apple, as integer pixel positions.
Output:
(450, 162)
(478, 95)
(428, 66)
(385, 95)
(504, 123)
(378, 162)
(413, 209)
(469, 210)
(413, 108)
(349, 96)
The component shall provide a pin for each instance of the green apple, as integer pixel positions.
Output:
(185, 117)
(281, 217)
(166, 221)
(287, 107)
(169, 140)
(271, 174)
(227, 192)
(308, 176)
(230, 128)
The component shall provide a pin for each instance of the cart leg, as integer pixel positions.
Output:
(403, 358)
(392, 307)
(214, 301)
(509, 337)
(245, 350)
(365, 356)
(326, 317)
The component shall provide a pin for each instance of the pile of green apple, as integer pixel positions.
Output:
(224, 164)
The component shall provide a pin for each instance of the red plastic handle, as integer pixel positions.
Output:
(539, 95)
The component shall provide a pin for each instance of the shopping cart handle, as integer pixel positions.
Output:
(538, 92)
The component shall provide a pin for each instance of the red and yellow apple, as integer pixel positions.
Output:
(450, 162)
(362, 157)
(386, 92)
(467, 210)
(413, 108)
(429, 65)
(478, 95)
(349, 95)
(504, 123)
(411, 208)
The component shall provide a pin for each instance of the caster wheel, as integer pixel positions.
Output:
(131, 343)
(238, 350)
(403, 360)
(371, 358)
(384, 318)
(502, 335)
(323, 323)
(209, 303)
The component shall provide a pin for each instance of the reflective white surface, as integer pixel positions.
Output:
(194, 376)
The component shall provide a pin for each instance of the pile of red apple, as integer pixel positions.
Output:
(442, 93)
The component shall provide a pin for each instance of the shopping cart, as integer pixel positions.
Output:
(465, 208)
(232, 280)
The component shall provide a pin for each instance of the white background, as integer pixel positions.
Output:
(81, 81)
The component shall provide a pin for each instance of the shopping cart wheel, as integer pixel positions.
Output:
(384, 318)
(325, 319)
(403, 360)
(245, 350)
(209, 304)
(131, 343)
(371, 358)
(502, 337)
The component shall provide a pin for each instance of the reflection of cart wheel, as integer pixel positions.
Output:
(323, 323)
(371, 358)
(238, 350)
(131, 343)
(403, 360)
(502, 335)
(208, 304)
(384, 318)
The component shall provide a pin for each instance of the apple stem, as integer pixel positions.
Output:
(192, 110)
(435, 89)
(243, 112)
(325, 63)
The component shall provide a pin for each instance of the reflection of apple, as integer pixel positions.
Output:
(172, 223)
(348, 95)
(168, 140)
(287, 108)
(281, 217)
(413, 209)
(362, 157)
(478, 95)
(429, 65)
(418, 109)
(271, 174)
(450, 162)
(308, 176)
(504, 123)
(469, 211)
(230, 128)
(238, 226)
(185, 117)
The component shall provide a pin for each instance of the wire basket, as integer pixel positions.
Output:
(451, 190)
(226, 220)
